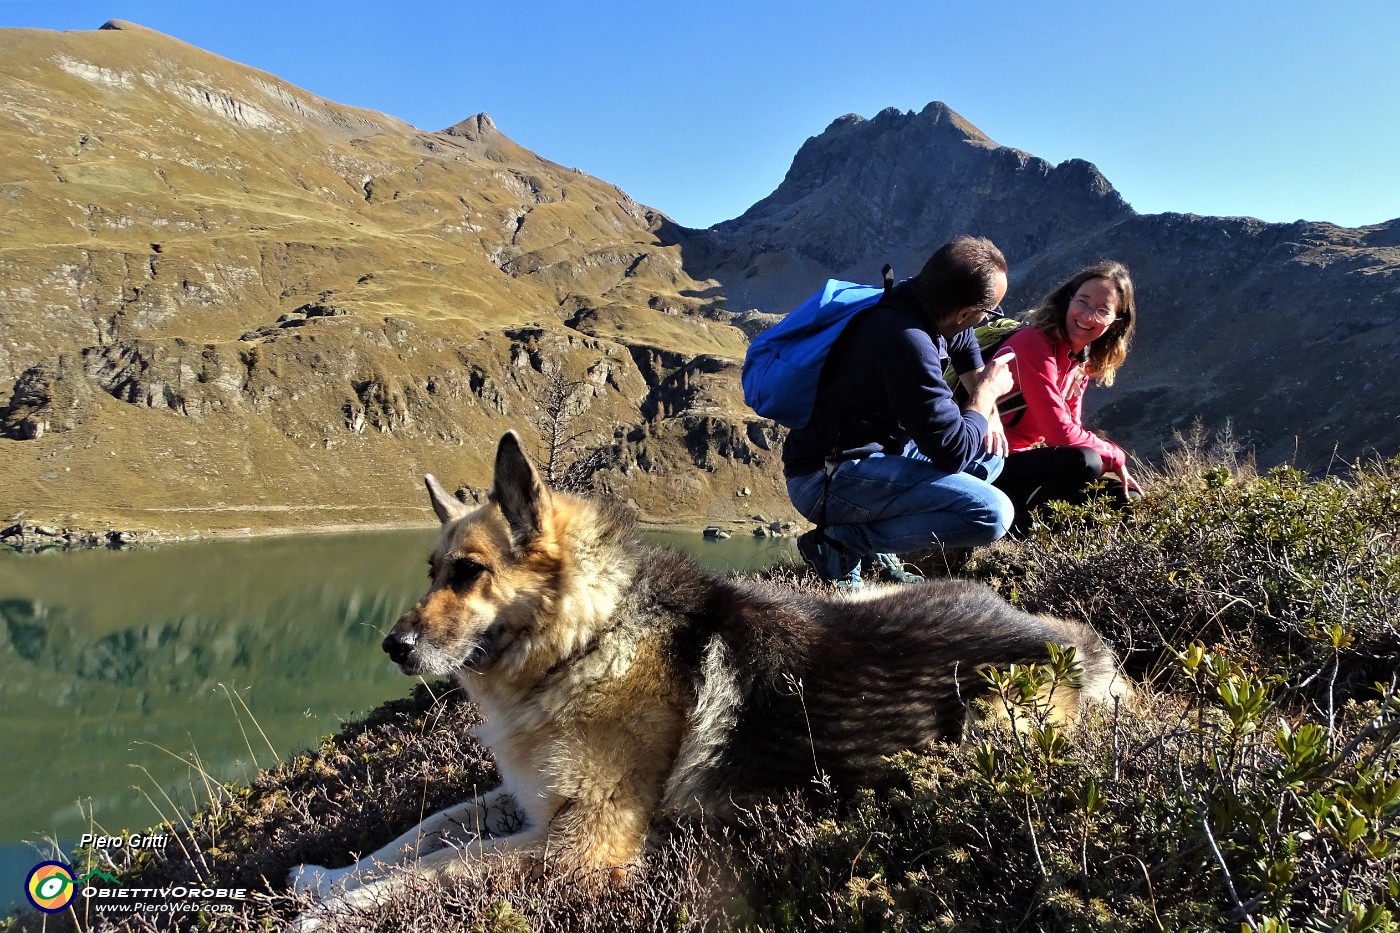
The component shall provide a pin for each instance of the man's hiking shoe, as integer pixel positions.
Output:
(829, 561)
(892, 567)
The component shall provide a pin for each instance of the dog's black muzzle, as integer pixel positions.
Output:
(399, 647)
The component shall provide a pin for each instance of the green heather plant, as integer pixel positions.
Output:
(1253, 783)
(1302, 574)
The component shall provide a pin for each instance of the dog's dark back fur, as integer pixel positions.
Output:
(834, 685)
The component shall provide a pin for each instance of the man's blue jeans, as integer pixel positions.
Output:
(887, 503)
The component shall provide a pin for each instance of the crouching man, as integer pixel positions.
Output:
(890, 462)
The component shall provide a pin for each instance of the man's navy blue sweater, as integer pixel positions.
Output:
(882, 385)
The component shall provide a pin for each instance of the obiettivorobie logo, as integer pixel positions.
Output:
(50, 886)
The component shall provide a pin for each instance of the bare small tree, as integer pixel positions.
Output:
(563, 440)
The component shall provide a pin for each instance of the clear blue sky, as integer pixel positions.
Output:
(1279, 110)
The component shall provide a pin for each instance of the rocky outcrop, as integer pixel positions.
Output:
(47, 398)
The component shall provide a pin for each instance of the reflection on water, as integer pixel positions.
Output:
(116, 665)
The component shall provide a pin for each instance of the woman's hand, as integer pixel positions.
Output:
(1130, 484)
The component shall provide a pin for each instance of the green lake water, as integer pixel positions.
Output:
(118, 668)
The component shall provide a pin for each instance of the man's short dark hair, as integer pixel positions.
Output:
(962, 274)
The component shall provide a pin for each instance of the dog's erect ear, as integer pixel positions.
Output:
(447, 506)
(517, 490)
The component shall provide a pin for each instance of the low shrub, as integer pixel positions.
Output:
(1298, 575)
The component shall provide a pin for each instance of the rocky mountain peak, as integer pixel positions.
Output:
(941, 114)
(479, 136)
(122, 25)
(890, 189)
(844, 146)
(476, 128)
(844, 120)
(936, 116)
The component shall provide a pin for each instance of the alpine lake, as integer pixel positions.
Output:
(133, 678)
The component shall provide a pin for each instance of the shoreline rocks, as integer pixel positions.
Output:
(30, 538)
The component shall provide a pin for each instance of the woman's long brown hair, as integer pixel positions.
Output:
(1108, 352)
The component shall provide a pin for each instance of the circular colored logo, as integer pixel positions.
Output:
(50, 886)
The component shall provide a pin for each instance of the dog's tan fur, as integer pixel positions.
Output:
(618, 684)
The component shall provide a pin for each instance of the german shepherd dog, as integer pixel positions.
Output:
(620, 684)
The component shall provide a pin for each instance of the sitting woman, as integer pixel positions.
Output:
(1080, 332)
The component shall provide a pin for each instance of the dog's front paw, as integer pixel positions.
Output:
(315, 879)
(339, 902)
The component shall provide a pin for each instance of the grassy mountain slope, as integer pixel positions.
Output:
(223, 293)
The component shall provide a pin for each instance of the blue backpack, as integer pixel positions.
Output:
(783, 364)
